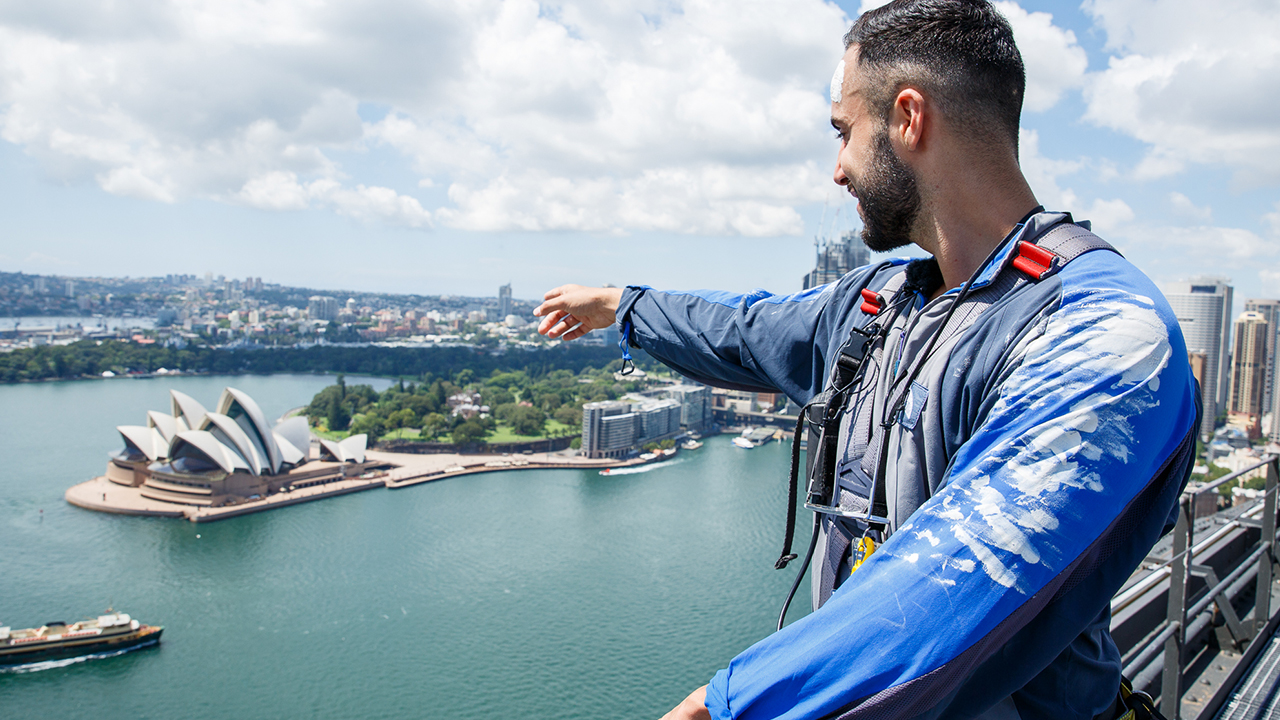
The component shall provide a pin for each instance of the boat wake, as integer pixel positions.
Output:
(64, 662)
(642, 468)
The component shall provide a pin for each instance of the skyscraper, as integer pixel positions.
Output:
(1270, 310)
(836, 258)
(504, 301)
(1248, 373)
(1203, 309)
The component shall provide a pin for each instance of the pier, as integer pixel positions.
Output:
(390, 470)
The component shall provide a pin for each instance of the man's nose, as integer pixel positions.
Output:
(839, 177)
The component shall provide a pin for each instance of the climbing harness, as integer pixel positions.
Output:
(821, 417)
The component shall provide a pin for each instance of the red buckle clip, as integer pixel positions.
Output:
(872, 303)
(1034, 260)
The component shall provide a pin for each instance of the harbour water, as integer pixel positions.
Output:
(532, 594)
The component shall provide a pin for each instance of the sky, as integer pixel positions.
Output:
(451, 146)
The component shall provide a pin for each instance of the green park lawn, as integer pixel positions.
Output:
(504, 434)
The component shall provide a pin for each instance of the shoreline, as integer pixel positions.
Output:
(406, 470)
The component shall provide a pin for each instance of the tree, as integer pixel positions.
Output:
(569, 415)
(527, 420)
(338, 416)
(434, 424)
(370, 424)
(469, 432)
(401, 418)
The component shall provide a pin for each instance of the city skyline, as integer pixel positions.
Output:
(335, 152)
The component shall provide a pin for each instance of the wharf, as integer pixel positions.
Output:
(406, 470)
(105, 496)
(416, 469)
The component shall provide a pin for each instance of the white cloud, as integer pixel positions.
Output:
(1045, 174)
(1184, 207)
(1042, 173)
(1196, 82)
(561, 116)
(1272, 220)
(283, 191)
(1204, 245)
(1053, 59)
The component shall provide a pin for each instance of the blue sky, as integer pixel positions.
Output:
(448, 147)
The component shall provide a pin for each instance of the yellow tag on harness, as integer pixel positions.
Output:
(860, 551)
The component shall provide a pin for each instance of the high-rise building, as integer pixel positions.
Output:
(1203, 309)
(322, 307)
(1270, 309)
(836, 258)
(1249, 363)
(504, 301)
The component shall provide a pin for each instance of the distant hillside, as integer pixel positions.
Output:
(90, 359)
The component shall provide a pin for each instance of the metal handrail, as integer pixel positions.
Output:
(1164, 652)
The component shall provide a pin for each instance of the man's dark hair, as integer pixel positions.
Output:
(961, 52)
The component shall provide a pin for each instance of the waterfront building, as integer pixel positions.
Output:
(1203, 309)
(835, 258)
(695, 405)
(617, 428)
(191, 456)
(1248, 373)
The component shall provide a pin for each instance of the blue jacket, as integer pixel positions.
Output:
(1048, 440)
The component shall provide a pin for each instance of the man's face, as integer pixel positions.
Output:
(885, 188)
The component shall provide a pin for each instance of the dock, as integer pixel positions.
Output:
(405, 470)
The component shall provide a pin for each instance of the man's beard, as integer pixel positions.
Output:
(890, 200)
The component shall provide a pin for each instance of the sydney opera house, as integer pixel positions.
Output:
(195, 457)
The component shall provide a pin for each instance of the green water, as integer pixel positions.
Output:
(532, 594)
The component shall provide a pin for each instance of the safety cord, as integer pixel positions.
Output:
(786, 555)
(841, 393)
(628, 366)
(891, 417)
(804, 567)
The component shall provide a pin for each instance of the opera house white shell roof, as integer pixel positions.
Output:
(233, 438)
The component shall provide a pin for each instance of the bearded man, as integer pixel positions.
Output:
(999, 432)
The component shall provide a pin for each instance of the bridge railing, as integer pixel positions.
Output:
(1164, 652)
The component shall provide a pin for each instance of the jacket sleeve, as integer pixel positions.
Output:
(1056, 497)
(758, 341)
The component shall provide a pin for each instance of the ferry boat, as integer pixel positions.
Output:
(743, 443)
(690, 444)
(106, 633)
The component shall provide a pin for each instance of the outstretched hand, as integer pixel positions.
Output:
(571, 311)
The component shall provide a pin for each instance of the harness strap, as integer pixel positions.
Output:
(849, 359)
(1037, 260)
(1058, 246)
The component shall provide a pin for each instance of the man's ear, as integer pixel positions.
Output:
(909, 119)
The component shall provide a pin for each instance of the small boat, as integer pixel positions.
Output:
(743, 443)
(607, 471)
(690, 445)
(107, 633)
